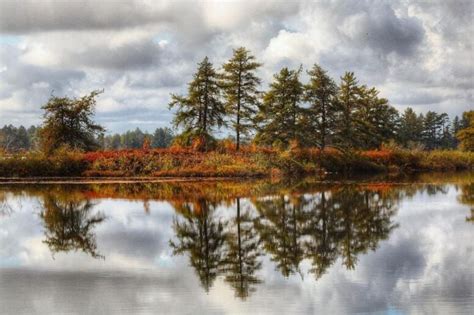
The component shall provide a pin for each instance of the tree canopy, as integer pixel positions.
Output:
(240, 84)
(68, 121)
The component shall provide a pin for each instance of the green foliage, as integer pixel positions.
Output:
(69, 122)
(434, 129)
(14, 139)
(240, 83)
(349, 101)
(281, 116)
(376, 121)
(202, 109)
(321, 93)
(133, 139)
(411, 128)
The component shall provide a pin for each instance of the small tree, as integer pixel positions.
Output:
(240, 85)
(68, 121)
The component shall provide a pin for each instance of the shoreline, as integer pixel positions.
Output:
(114, 180)
(400, 178)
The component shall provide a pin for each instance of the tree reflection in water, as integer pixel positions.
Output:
(242, 253)
(467, 197)
(200, 234)
(69, 224)
(280, 227)
(339, 223)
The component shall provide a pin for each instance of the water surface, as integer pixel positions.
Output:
(368, 246)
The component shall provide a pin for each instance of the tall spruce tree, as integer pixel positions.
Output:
(349, 101)
(321, 94)
(240, 84)
(202, 109)
(280, 115)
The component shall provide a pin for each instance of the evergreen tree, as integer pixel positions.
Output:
(162, 138)
(376, 121)
(280, 115)
(321, 94)
(433, 128)
(240, 85)
(349, 101)
(202, 109)
(411, 128)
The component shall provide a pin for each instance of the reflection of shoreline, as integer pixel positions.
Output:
(289, 222)
(219, 189)
(419, 177)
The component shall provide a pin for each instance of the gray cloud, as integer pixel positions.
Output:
(129, 56)
(416, 53)
(33, 16)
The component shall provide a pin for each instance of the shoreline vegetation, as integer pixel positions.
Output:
(294, 128)
(226, 162)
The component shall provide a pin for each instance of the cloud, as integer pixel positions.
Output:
(416, 53)
(32, 16)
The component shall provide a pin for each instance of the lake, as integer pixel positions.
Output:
(365, 246)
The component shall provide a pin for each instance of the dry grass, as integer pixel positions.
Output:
(225, 161)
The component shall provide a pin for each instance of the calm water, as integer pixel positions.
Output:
(369, 246)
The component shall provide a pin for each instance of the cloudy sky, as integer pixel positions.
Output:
(418, 53)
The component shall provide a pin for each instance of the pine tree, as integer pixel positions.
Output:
(411, 128)
(348, 100)
(376, 121)
(433, 128)
(202, 109)
(240, 85)
(280, 115)
(321, 93)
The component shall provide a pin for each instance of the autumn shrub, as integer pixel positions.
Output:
(225, 162)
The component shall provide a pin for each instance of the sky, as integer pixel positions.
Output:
(417, 53)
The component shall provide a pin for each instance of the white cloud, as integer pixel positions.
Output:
(139, 51)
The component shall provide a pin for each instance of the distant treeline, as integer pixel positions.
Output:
(14, 139)
(135, 139)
